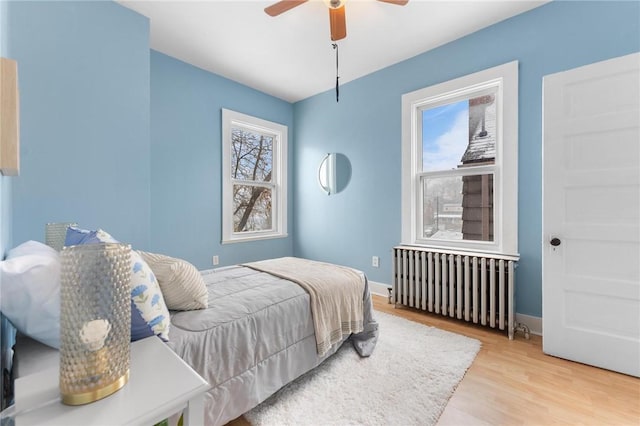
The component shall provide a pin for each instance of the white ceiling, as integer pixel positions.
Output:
(290, 56)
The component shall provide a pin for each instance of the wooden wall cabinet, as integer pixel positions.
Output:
(9, 118)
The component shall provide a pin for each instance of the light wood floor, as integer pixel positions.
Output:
(514, 383)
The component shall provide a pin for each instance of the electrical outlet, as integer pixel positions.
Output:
(375, 261)
(216, 260)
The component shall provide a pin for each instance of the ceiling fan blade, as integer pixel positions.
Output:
(282, 6)
(338, 24)
(398, 2)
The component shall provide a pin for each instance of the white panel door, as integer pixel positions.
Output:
(591, 215)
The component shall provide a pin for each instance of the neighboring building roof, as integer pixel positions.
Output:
(482, 130)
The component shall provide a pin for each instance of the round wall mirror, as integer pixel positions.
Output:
(334, 173)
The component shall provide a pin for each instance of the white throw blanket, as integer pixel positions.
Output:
(335, 292)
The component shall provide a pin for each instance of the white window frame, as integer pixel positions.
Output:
(505, 170)
(232, 119)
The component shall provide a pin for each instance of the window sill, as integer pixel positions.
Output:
(254, 237)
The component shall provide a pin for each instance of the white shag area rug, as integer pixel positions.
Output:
(408, 380)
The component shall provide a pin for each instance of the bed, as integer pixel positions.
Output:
(256, 335)
(259, 335)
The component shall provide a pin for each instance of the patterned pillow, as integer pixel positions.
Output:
(182, 285)
(150, 315)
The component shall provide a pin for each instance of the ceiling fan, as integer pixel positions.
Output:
(336, 13)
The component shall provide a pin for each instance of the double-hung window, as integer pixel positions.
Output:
(459, 163)
(254, 166)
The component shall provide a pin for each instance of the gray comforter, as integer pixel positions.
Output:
(256, 336)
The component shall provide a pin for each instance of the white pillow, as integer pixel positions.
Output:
(181, 283)
(31, 247)
(30, 296)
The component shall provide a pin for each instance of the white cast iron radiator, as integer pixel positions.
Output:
(475, 287)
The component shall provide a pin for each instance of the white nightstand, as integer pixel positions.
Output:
(160, 385)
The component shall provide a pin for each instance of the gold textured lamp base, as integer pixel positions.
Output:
(95, 394)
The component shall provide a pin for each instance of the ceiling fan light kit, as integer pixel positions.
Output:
(334, 4)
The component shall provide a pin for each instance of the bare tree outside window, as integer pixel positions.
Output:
(251, 173)
(254, 178)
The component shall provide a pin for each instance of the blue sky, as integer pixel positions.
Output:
(445, 134)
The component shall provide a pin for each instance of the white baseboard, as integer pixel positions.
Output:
(534, 323)
(379, 288)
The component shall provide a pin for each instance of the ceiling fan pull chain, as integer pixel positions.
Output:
(335, 47)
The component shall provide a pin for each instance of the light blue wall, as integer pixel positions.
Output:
(5, 181)
(7, 332)
(364, 220)
(88, 154)
(108, 145)
(186, 155)
(5, 216)
(84, 89)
